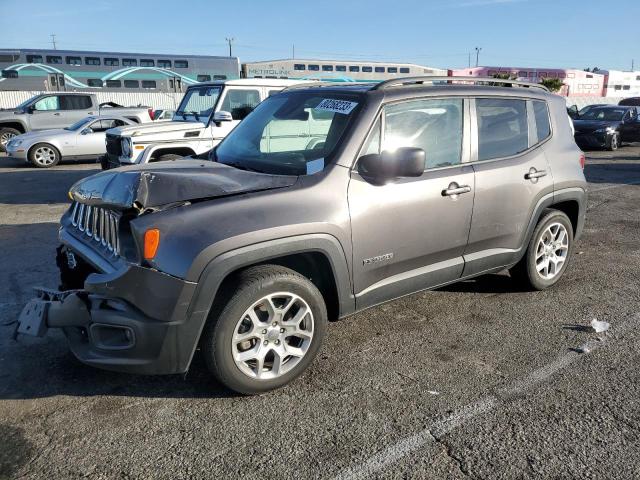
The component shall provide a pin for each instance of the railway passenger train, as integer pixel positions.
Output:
(74, 70)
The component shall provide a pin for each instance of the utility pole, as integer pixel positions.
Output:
(293, 51)
(230, 41)
(53, 40)
(469, 59)
(633, 65)
(478, 50)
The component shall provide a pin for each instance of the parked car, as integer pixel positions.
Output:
(59, 110)
(574, 113)
(207, 113)
(406, 187)
(163, 114)
(607, 127)
(83, 140)
(630, 102)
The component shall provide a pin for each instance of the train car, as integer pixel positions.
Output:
(335, 70)
(73, 70)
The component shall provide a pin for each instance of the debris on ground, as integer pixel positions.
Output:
(433, 392)
(599, 326)
(586, 348)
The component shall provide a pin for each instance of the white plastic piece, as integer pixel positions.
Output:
(599, 326)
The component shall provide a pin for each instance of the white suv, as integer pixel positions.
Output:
(207, 113)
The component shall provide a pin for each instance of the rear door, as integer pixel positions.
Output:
(75, 107)
(410, 234)
(511, 175)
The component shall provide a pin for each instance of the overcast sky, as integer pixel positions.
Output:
(545, 33)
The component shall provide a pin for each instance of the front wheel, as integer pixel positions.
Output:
(614, 143)
(43, 155)
(548, 252)
(6, 134)
(267, 332)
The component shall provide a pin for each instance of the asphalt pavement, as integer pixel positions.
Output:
(477, 380)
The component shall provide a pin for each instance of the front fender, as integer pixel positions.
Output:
(219, 267)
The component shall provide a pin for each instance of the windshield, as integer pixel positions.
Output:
(289, 134)
(198, 103)
(606, 114)
(80, 123)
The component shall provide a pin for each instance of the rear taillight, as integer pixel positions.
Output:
(582, 160)
(151, 115)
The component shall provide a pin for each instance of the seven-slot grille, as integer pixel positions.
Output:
(99, 224)
(114, 146)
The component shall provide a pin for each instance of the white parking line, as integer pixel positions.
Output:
(445, 424)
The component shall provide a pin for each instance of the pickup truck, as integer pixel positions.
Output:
(59, 110)
(207, 113)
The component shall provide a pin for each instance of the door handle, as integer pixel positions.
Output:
(455, 189)
(534, 174)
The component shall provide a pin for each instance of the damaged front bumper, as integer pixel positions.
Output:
(134, 320)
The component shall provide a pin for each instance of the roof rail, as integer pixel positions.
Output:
(319, 83)
(407, 81)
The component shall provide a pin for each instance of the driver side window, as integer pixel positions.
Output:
(434, 125)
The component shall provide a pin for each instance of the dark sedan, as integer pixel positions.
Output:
(607, 127)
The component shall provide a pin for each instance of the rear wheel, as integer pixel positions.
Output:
(548, 252)
(6, 134)
(43, 155)
(267, 332)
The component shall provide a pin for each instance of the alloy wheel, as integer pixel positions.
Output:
(273, 335)
(552, 251)
(6, 137)
(44, 156)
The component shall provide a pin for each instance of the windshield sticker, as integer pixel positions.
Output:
(338, 106)
(315, 166)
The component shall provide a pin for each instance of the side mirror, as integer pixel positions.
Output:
(222, 116)
(31, 109)
(573, 111)
(86, 131)
(403, 162)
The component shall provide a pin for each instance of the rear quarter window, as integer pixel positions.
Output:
(543, 125)
(503, 129)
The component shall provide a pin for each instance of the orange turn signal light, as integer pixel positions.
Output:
(151, 243)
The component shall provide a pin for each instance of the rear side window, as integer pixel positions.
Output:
(75, 102)
(541, 113)
(502, 127)
(432, 125)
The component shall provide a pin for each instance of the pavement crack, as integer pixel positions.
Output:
(448, 451)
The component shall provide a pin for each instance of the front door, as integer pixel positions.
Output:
(511, 173)
(410, 234)
(47, 113)
(631, 126)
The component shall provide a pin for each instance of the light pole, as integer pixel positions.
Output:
(230, 41)
(478, 50)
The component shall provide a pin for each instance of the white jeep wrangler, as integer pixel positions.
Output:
(207, 113)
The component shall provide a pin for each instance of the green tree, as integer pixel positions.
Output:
(502, 76)
(553, 84)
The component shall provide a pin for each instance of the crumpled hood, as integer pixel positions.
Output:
(162, 183)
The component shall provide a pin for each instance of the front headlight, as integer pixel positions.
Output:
(14, 143)
(609, 130)
(126, 147)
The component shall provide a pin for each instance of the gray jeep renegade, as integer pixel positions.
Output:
(324, 201)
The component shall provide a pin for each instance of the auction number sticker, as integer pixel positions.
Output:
(338, 106)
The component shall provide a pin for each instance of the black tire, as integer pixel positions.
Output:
(168, 156)
(34, 159)
(526, 270)
(613, 143)
(6, 133)
(249, 287)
